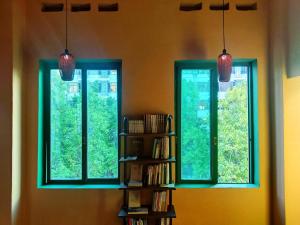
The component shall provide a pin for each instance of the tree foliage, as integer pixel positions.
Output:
(195, 131)
(102, 128)
(66, 132)
(233, 152)
(233, 136)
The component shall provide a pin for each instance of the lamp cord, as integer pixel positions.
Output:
(66, 24)
(224, 25)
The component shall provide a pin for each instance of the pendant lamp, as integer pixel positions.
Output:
(66, 60)
(225, 59)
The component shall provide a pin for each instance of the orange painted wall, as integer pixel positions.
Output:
(6, 48)
(18, 15)
(148, 36)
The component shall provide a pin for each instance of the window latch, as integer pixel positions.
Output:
(84, 140)
(215, 141)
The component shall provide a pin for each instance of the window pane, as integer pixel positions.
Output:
(233, 148)
(102, 111)
(195, 124)
(66, 129)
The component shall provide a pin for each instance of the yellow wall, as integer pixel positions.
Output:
(148, 36)
(277, 69)
(291, 93)
(284, 55)
(292, 146)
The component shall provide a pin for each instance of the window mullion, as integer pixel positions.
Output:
(178, 77)
(214, 125)
(84, 125)
(250, 125)
(47, 126)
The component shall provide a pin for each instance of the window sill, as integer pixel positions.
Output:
(178, 186)
(79, 186)
(220, 186)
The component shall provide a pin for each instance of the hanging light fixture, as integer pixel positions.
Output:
(66, 60)
(225, 59)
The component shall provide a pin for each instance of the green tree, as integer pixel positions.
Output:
(233, 152)
(195, 141)
(102, 134)
(66, 131)
(233, 136)
(66, 144)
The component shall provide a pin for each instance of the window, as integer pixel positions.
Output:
(214, 123)
(81, 123)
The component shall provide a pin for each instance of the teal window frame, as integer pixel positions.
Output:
(44, 177)
(252, 122)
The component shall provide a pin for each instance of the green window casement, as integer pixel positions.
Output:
(79, 124)
(216, 124)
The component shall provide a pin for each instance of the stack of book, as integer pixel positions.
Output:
(155, 123)
(132, 221)
(160, 148)
(136, 126)
(136, 175)
(158, 174)
(134, 199)
(137, 211)
(165, 221)
(160, 202)
(134, 203)
(136, 146)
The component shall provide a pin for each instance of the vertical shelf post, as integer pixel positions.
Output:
(169, 119)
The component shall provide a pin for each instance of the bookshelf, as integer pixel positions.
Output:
(147, 163)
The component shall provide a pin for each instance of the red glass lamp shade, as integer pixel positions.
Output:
(66, 66)
(224, 66)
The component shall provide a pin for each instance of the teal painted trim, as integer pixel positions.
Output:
(255, 115)
(120, 112)
(214, 125)
(79, 186)
(213, 62)
(177, 90)
(177, 186)
(44, 176)
(40, 172)
(216, 186)
(84, 139)
(253, 121)
(194, 64)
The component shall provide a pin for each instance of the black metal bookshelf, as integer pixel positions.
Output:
(125, 159)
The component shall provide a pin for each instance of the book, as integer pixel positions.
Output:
(136, 126)
(155, 123)
(131, 158)
(159, 203)
(134, 199)
(133, 221)
(135, 184)
(140, 210)
(165, 221)
(160, 149)
(136, 175)
(158, 174)
(135, 145)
